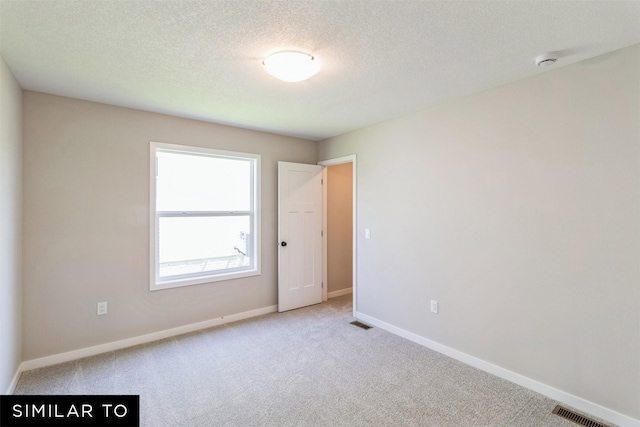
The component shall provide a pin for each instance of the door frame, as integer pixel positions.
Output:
(332, 162)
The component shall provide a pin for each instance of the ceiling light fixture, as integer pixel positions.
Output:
(291, 66)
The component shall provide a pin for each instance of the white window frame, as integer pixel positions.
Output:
(155, 283)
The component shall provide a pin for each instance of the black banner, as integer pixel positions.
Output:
(69, 411)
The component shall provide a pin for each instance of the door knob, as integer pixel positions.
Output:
(283, 244)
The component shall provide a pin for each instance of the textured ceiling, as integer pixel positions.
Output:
(380, 59)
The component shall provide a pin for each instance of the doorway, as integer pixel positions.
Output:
(339, 222)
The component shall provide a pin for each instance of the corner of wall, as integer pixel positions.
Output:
(10, 228)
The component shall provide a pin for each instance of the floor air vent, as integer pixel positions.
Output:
(576, 418)
(361, 325)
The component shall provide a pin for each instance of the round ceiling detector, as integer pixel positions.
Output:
(291, 66)
(546, 59)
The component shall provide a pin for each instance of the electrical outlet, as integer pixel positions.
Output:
(102, 308)
(367, 233)
(434, 306)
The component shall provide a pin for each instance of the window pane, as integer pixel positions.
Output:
(187, 182)
(192, 245)
(204, 216)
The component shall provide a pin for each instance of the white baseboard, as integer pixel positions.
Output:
(553, 393)
(130, 342)
(340, 293)
(14, 381)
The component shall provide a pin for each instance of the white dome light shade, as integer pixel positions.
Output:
(291, 66)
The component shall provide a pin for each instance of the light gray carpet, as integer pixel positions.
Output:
(307, 367)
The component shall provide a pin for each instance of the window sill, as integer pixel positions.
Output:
(178, 283)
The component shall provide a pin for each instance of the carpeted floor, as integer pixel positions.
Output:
(307, 367)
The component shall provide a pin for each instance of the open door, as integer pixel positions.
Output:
(299, 235)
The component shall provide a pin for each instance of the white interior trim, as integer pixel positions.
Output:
(331, 162)
(561, 396)
(157, 283)
(129, 342)
(325, 226)
(14, 381)
(340, 292)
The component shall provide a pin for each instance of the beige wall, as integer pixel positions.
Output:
(86, 223)
(518, 209)
(10, 226)
(339, 227)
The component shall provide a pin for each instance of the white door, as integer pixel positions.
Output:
(299, 235)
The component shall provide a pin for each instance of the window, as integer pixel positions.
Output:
(204, 215)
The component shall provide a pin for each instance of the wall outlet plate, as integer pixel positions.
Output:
(102, 308)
